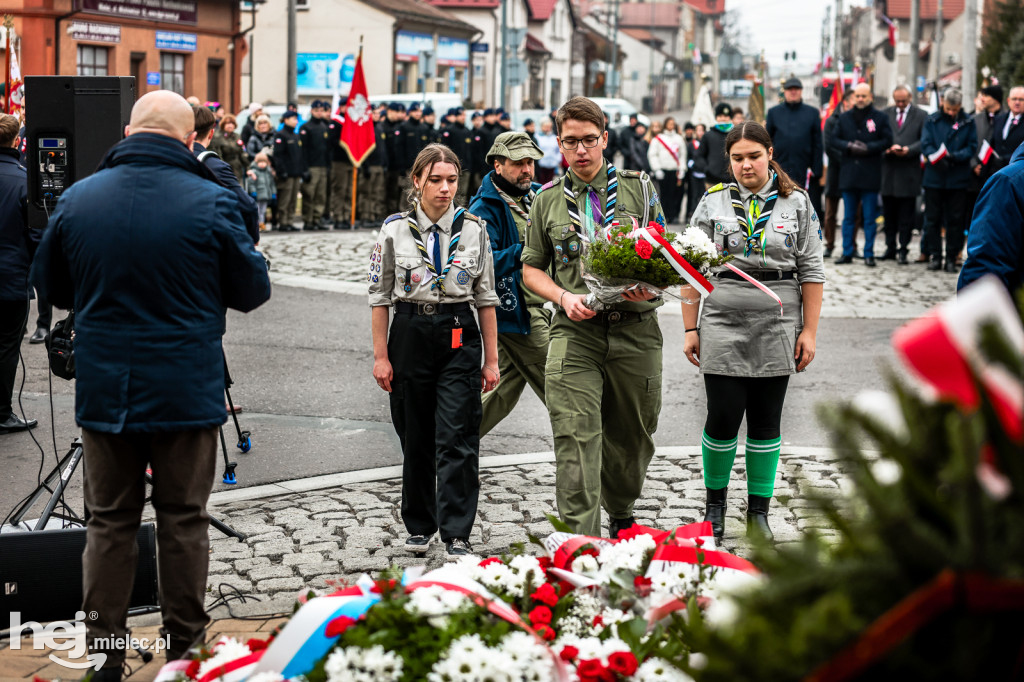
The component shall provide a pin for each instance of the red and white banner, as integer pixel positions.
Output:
(678, 263)
(938, 154)
(759, 285)
(357, 135)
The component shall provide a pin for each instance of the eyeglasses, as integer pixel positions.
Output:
(589, 142)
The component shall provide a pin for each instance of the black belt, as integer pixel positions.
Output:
(761, 275)
(411, 308)
(606, 317)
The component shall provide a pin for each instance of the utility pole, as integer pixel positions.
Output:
(839, 34)
(292, 58)
(969, 77)
(915, 44)
(938, 43)
(615, 50)
(504, 51)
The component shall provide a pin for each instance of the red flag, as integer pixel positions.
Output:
(357, 136)
(834, 100)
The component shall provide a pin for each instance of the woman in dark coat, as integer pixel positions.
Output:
(229, 147)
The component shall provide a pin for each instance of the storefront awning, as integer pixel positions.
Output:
(535, 45)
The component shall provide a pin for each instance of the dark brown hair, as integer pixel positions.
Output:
(425, 160)
(755, 132)
(205, 120)
(228, 118)
(9, 127)
(580, 109)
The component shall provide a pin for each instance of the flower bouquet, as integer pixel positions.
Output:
(648, 258)
(588, 610)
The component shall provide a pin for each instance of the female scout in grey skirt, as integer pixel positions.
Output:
(745, 346)
(433, 264)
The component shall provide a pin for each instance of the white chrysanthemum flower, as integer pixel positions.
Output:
(584, 564)
(336, 667)
(525, 565)
(224, 651)
(266, 677)
(435, 601)
(381, 664)
(515, 584)
(495, 575)
(722, 612)
(659, 670)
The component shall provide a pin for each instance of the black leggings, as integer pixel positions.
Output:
(761, 398)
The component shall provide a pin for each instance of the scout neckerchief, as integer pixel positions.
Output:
(593, 213)
(723, 127)
(460, 217)
(514, 205)
(756, 219)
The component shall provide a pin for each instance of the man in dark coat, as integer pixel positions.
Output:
(901, 173)
(149, 252)
(989, 104)
(317, 156)
(949, 143)
(290, 168)
(205, 123)
(395, 182)
(17, 245)
(832, 193)
(710, 157)
(522, 320)
(863, 133)
(1008, 128)
(795, 129)
(457, 137)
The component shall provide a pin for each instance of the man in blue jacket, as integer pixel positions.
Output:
(795, 129)
(17, 244)
(503, 200)
(948, 142)
(862, 134)
(149, 252)
(996, 245)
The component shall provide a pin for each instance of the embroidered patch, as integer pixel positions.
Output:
(416, 277)
(375, 278)
(462, 277)
(734, 241)
(789, 241)
(820, 238)
(574, 246)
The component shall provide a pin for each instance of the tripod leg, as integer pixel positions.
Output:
(226, 529)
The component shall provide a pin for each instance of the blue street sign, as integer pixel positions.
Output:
(152, 78)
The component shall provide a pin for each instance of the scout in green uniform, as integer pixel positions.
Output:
(433, 266)
(603, 372)
(504, 201)
(747, 345)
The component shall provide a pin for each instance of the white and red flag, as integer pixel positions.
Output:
(938, 154)
(357, 136)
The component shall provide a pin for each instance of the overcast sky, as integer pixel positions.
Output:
(780, 26)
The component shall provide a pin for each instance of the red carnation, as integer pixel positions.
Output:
(569, 652)
(642, 586)
(338, 626)
(598, 621)
(490, 560)
(540, 616)
(622, 662)
(545, 562)
(656, 227)
(193, 669)
(644, 249)
(699, 542)
(545, 594)
(546, 632)
(591, 670)
(257, 644)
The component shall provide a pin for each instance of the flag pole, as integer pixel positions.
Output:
(8, 25)
(355, 168)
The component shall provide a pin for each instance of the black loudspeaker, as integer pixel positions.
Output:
(41, 573)
(71, 122)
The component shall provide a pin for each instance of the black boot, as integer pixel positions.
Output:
(757, 518)
(714, 512)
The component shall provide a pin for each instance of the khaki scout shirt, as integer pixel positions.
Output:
(396, 263)
(551, 237)
(794, 234)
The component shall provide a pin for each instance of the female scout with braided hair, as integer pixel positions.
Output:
(433, 264)
(749, 340)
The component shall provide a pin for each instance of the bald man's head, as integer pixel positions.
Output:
(862, 97)
(165, 113)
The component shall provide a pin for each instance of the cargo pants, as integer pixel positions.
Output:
(341, 192)
(370, 203)
(521, 361)
(314, 196)
(602, 388)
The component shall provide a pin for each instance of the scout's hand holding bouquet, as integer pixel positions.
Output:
(622, 258)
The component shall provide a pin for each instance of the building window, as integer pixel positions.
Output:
(301, 5)
(556, 93)
(92, 60)
(213, 69)
(172, 72)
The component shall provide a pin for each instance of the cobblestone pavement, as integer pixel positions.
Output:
(316, 538)
(336, 261)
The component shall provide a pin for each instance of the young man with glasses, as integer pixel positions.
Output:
(603, 372)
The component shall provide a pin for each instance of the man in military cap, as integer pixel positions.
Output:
(371, 206)
(457, 137)
(392, 128)
(505, 121)
(340, 190)
(289, 167)
(315, 135)
(504, 201)
(600, 365)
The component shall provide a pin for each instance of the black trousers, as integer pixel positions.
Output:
(671, 196)
(13, 315)
(814, 190)
(435, 407)
(944, 208)
(899, 220)
(44, 320)
(729, 398)
(970, 201)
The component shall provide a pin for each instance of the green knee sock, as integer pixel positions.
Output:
(718, 457)
(762, 462)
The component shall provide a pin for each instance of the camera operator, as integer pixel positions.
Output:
(17, 244)
(205, 126)
(149, 252)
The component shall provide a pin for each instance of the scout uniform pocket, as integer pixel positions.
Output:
(728, 236)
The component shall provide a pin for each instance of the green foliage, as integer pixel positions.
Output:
(893, 538)
(618, 259)
(997, 51)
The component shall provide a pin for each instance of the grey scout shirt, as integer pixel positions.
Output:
(794, 241)
(396, 263)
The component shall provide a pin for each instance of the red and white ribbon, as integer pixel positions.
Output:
(678, 263)
(759, 285)
(938, 154)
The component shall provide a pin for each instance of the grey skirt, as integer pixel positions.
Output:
(742, 333)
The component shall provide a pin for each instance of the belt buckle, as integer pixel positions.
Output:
(428, 308)
(614, 316)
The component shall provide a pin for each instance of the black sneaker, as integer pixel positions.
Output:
(418, 544)
(619, 524)
(458, 547)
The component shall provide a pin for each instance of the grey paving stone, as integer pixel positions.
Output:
(280, 584)
(274, 549)
(322, 568)
(266, 572)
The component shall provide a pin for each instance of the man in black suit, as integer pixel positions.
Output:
(901, 173)
(988, 106)
(1008, 128)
